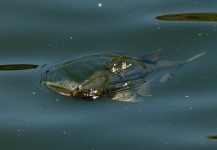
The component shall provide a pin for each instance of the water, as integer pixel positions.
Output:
(180, 114)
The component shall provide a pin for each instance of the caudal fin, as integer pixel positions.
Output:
(196, 56)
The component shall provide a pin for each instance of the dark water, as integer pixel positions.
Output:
(180, 114)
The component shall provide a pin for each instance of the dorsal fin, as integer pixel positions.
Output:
(152, 56)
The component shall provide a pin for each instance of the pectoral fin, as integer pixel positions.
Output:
(165, 78)
(144, 90)
(126, 96)
(64, 88)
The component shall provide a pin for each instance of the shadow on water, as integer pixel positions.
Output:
(189, 17)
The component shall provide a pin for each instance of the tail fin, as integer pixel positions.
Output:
(196, 56)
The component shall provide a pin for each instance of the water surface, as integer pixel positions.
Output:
(180, 114)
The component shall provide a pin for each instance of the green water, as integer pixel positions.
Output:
(180, 114)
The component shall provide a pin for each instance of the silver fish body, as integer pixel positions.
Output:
(92, 76)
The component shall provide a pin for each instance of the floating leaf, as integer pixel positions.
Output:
(212, 137)
(189, 17)
(10, 67)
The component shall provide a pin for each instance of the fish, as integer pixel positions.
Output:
(124, 78)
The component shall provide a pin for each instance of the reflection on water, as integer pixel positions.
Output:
(10, 67)
(189, 17)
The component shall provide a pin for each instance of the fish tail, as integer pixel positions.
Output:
(196, 56)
